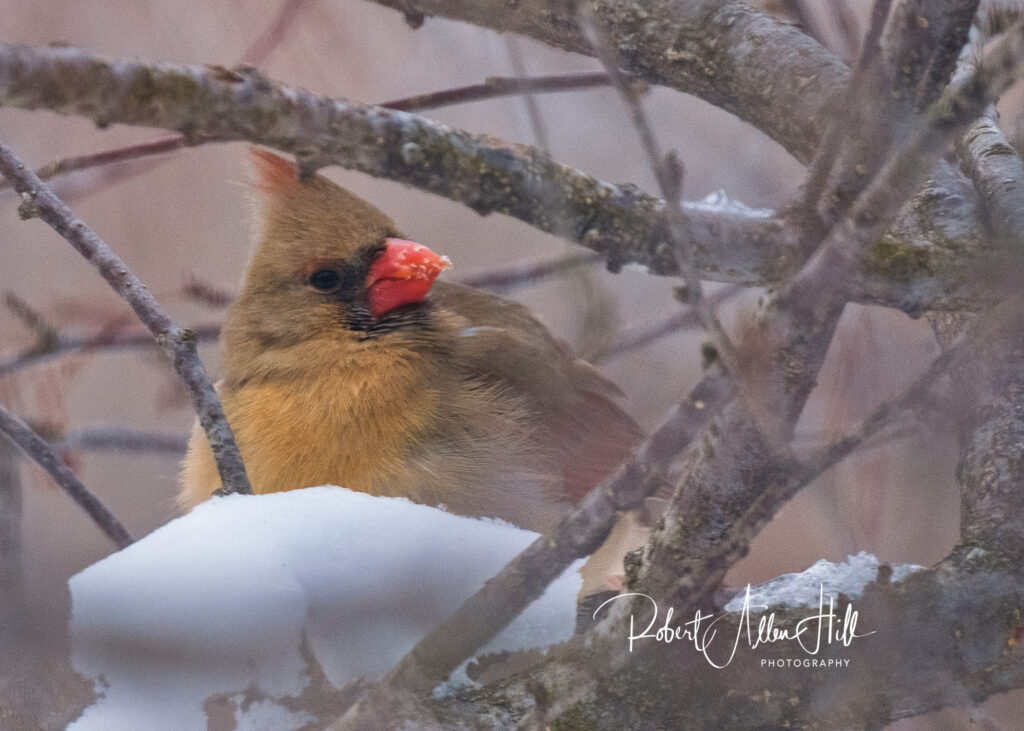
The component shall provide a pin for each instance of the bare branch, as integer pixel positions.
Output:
(270, 38)
(179, 345)
(493, 87)
(718, 50)
(511, 277)
(828, 149)
(913, 269)
(123, 440)
(997, 172)
(501, 599)
(500, 86)
(12, 578)
(668, 173)
(164, 144)
(36, 447)
(643, 334)
(104, 341)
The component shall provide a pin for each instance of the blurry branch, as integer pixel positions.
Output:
(642, 334)
(102, 341)
(271, 38)
(504, 596)
(166, 143)
(123, 440)
(507, 278)
(668, 171)
(718, 50)
(46, 334)
(824, 158)
(44, 455)
(916, 267)
(178, 344)
(540, 132)
(207, 293)
(12, 581)
(500, 86)
(255, 54)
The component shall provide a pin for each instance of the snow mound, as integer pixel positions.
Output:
(219, 601)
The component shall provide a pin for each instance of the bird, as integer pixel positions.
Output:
(346, 361)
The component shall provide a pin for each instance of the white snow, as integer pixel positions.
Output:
(720, 202)
(220, 599)
(802, 589)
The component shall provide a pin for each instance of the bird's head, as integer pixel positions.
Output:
(328, 266)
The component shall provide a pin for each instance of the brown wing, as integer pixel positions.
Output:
(574, 404)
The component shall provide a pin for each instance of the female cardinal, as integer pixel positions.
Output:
(345, 363)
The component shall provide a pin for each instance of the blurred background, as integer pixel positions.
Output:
(181, 221)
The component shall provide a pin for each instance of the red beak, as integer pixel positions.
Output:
(402, 275)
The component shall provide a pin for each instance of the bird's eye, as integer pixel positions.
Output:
(325, 280)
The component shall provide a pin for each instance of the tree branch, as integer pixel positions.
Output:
(178, 345)
(916, 267)
(718, 50)
(36, 447)
(503, 597)
(105, 341)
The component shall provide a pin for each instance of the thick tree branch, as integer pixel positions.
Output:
(502, 598)
(791, 345)
(918, 266)
(178, 345)
(606, 678)
(997, 172)
(492, 87)
(943, 637)
(486, 174)
(721, 51)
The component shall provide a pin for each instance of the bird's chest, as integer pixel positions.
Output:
(351, 427)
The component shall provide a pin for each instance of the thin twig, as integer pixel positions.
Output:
(123, 440)
(540, 132)
(507, 278)
(103, 341)
(639, 336)
(44, 455)
(828, 149)
(668, 173)
(160, 145)
(179, 345)
(270, 38)
(500, 86)
(254, 55)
